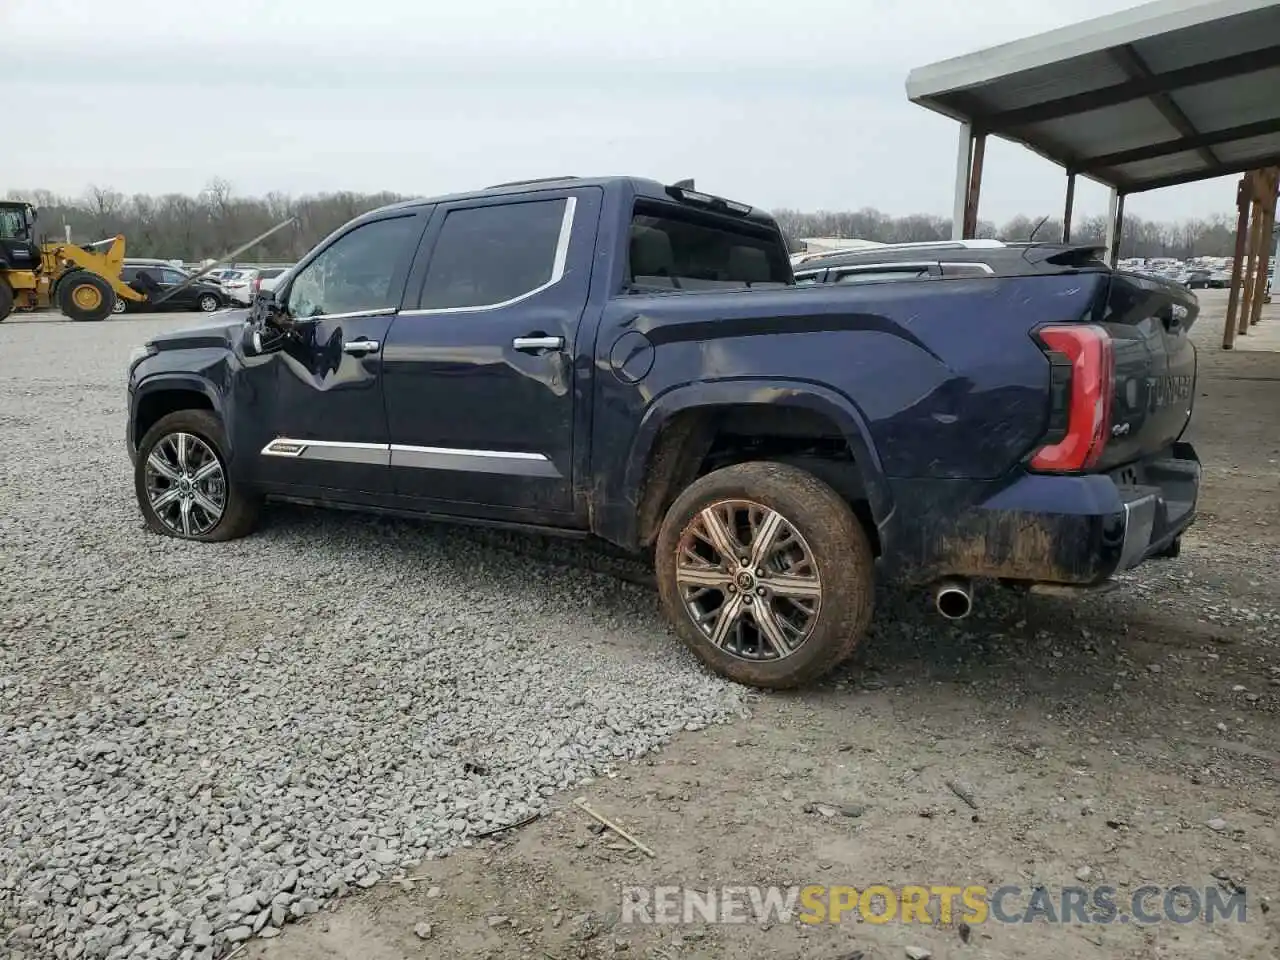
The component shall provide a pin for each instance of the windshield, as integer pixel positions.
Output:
(13, 226)
(673, 248)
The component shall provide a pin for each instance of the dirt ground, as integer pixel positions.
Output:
(1099, 737)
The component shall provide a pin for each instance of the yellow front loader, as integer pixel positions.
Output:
(82, 281)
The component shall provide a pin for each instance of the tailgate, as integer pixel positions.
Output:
(1155, 366)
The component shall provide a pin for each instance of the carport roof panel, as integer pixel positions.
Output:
(1143, 81)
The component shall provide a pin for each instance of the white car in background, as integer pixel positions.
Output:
(215, 276)
(269, 278)
(239, 285)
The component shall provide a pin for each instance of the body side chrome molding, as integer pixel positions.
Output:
(406, 455)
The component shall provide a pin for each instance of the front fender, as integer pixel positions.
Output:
(167, 381)
(620, 523)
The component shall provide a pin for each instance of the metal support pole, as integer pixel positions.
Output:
(1244, 200)
(1066, 212)
(964, 159)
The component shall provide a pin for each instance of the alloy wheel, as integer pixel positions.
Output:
(186, 484)
(208, 303)
(748, 580)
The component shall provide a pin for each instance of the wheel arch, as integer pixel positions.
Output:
(163, 394)
(677, 428)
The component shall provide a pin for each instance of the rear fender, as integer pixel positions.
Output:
(619, 522)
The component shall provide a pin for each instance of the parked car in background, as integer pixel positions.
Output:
(157, 281)
(239, 285)
(633, 361)
(1205, 280)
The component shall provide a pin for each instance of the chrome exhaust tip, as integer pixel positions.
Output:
(953, 598)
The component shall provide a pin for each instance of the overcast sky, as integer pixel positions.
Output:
(781, 105)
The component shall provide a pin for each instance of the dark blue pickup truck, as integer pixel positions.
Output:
(636, 362)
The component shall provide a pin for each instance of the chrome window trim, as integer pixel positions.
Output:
(382, 312)
(459, 452)
(557, 270)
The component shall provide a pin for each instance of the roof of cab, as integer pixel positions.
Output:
(638, 186)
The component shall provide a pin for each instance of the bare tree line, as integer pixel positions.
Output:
(216, 221)
(209, 224)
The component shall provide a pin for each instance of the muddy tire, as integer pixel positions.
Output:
(6, 299)
(85, 296)
(183, 483)
(766, 574)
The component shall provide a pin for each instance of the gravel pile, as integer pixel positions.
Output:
(198, 744)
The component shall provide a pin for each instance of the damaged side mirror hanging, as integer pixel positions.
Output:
(267, 325)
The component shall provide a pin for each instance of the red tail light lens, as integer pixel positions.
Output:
(257, 284)
(1088, 350)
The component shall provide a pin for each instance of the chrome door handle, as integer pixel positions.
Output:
(358, 348)
(537, 343)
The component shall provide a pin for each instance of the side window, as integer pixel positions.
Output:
(172, 276)
(11, 224)
(355, 272)
(490, 255)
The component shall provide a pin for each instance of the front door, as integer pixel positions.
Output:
(328, 432)
(479, 367)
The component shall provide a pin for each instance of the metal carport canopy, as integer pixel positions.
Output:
(1162, 94)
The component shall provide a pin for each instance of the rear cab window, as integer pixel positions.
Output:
(675, 248)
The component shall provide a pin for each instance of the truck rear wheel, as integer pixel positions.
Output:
(85, 296)
(6, 299)
(766, 574)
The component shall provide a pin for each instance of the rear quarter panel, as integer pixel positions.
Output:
(941, 377)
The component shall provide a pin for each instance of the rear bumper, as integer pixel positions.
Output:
(1077, 530)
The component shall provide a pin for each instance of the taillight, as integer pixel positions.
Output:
(257, 284)
(1087, 353)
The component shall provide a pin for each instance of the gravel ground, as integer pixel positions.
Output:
(197, 743)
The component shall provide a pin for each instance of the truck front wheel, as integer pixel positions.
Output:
(766, 574)
(183, 485)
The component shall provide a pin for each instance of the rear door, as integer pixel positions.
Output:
(480, 379)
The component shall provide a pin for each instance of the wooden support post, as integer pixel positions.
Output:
(975, 187)
(1115, 226)
(1250, 265)
(1265, 245)
(1066, 211)
(1244, 200)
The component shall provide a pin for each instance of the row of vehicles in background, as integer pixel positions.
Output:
(215, 290)
(1194, 274)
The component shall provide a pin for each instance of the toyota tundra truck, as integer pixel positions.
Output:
(620, 359)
